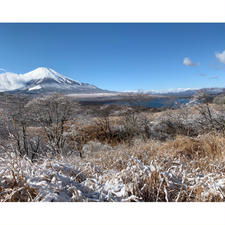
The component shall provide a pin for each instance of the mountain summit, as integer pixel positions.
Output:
(43, 80)
(46, 73)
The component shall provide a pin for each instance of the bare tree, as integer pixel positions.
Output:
(210, 119)
(134, 120)
(52, 113)
(20, 139)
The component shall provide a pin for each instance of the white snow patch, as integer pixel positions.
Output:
(61, 181)
(94, 95)
(35, 88)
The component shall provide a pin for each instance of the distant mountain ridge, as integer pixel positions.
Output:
(188, 92)
(43, 80)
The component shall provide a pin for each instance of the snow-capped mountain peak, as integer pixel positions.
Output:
(41, 80)
(42, 73)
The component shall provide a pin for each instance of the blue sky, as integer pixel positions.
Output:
(149, 56)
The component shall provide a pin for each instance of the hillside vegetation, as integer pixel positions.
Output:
(54, 149)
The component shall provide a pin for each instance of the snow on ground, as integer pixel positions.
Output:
(126, 176)
(35, 88)
(65, 180)
(94, 95)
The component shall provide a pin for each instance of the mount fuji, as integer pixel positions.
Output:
(43, 80)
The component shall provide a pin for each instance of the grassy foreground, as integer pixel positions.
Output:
(169, 156)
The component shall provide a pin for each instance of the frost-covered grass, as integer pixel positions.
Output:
(174, 155)
(184, 169)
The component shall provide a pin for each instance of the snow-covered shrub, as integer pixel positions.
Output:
(146, 172)
(211, 118)
(188, 121)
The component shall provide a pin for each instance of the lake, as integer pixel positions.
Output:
(157, 102)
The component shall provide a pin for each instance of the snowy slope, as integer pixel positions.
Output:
(43, 80)
(42, 73)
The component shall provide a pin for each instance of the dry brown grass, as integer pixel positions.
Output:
(209, 145)
(184, 168)
(193, 156)
(16, 190)
(205, 147)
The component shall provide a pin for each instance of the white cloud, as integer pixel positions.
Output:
(2, 69)
(188, 62)
(221, 56)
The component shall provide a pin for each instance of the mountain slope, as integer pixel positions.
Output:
(43, 80)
